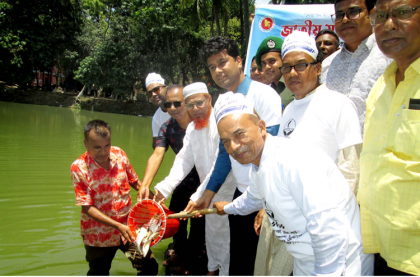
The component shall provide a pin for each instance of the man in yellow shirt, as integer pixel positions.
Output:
(389, 189)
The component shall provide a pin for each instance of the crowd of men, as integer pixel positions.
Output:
(312, 160)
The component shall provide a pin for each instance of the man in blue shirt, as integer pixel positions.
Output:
(221, 55)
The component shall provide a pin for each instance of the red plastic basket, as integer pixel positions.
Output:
(143, 211)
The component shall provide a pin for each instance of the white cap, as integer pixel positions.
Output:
(195, 88)
(230, 103)
(154, 78)
(299, 41)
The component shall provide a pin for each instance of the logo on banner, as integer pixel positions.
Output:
(267, 23)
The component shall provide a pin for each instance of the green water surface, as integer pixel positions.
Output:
(40, 223)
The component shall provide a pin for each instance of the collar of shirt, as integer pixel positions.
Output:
(389, 75)
(308, 97)
(364, 47)
(112, 157)
(244, 86)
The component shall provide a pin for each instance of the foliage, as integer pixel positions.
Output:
(114, 44)
(33, 34)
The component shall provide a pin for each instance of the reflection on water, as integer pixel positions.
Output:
(40, 223)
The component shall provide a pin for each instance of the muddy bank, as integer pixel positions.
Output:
(68, 100)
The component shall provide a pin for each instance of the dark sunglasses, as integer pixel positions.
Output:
(155, 90)
(176, 104)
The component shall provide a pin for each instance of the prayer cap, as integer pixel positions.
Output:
(230, 103)
(299, 41)
(154, 78)
(195, 88)
(270, 44)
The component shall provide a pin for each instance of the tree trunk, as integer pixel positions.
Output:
(225, 33)
(168, 50)
(216, 13)
(241, 16)
(246, 21)
(81, 92)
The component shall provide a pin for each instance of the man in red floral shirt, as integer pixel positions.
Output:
(102, 177)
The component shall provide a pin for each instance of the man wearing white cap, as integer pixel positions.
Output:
(318, 116)
(201, 147)
(155, 91)
(221, 55)
(306, 198)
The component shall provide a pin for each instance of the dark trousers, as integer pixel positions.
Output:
(243, 242)
(381, 268)
(100, 259)
(194, 243)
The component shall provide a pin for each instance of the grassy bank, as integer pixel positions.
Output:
(37, 97)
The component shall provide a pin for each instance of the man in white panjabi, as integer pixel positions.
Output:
(201, 147)
(308, 201)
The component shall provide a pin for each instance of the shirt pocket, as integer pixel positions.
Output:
(407, 135)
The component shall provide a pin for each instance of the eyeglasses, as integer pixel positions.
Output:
(198, 104)
(176, 104)
(298, 67)
(155, 90)
(401, 13)
(352, 13)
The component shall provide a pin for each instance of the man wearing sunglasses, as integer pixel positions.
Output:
(354, 69)
(155, 91)
(389, 190)
(171, 134)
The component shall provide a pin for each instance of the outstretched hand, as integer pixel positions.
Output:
(220, 207)
(144, 193)
(159, 197)
(202, 203)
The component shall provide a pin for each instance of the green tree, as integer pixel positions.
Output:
(34, 34)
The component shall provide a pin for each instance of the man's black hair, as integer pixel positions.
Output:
(173, 87)
(217, 44)
(327, 31)
(369, 4)
(100, 127)
(253, 59)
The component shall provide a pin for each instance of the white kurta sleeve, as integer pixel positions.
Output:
(244, 205)
(183, 164)
(317, 187)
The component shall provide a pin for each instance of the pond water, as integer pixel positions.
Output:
(40, 223)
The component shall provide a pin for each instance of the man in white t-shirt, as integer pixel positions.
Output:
(155, 91)
(308, 201)
(318, 116)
